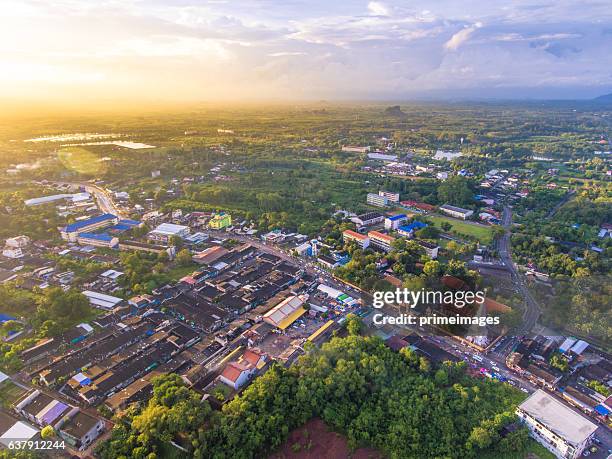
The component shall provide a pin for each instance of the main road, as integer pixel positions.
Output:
(532, 309)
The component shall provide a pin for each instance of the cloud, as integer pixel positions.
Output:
(461, 37)
(379, 9)
(302, 48)
(287, 53)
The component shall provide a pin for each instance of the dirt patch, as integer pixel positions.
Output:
(314, 440)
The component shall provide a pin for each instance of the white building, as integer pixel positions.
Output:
(381, 240)
(368, 219)
(447, 155)
(456, 212)
(430, 249)
(361, 239)
(166, 231)
(556, 426)
(391, 196)
(102, 301)
(355, 149)
(10, 252)
(377, 200)
(395, 221)
(382, 157)
(18, 242)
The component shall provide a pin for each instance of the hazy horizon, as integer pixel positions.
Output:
(71, 51)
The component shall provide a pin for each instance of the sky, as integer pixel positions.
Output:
(187, 50)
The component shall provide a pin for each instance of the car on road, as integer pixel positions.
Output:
(524, 390)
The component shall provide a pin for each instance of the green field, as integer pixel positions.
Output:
(484, 234)
(533, 451)
(9, 393)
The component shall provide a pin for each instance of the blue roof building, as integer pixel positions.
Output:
(100, 240)
(408, 230)
(70, 232)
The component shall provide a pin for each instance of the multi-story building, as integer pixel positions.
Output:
(391, 197)
(430, 249)
(220, 221)
(556, 426)
(71, 232)
(166, 231)
(395, 221)
(409, 230)
(381, 240)
(368, 219)
(456, 212)
(98, 240)
(361, 239)
(377, 200)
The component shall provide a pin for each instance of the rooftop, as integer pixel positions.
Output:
(170, 229)
(74, 227)
(355, 234)
(79, 425)
(558, 417)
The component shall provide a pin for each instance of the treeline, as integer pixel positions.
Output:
(394, 402)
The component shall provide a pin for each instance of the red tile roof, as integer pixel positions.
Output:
(233, 370)
(354, 234)
(379, 235)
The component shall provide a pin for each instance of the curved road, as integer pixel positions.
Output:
(532, 309)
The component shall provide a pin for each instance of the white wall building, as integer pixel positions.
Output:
(165, 231)
(456, 212)
(377, 200)
(556, 426)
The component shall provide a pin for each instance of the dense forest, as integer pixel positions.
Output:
(394, 402)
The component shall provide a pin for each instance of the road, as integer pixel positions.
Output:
(103, 198)
(568, 196)
(532, 309)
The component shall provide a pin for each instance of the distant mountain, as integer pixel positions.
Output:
(604, 98)
(395, 110)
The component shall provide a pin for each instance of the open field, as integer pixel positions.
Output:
(483, 233)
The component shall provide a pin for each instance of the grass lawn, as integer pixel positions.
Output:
(177, 272)
(483, 233)
(533, 451)
(9, 393)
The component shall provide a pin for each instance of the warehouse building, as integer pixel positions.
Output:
(102, 301)
(456, 212)
(166, 231)
(286, 312)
